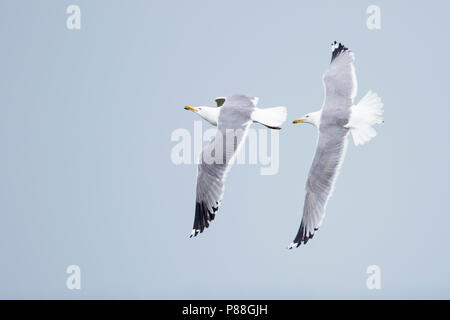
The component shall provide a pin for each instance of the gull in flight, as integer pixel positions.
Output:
(232, 116)
(334, 121)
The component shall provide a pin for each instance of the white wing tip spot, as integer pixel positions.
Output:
(194, 233)
(292, 245)
(334, 46)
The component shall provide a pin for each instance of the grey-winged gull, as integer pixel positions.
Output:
(233, 116)
(334, 121)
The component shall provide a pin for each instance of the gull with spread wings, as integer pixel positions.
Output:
(232, 116)
(334, 121)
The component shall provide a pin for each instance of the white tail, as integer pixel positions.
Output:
(364, 115)
(272, 118)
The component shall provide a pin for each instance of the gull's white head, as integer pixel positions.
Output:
(312, 118)
(208, 113)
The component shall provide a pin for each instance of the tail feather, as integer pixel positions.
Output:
(365, 114)
(272, 118)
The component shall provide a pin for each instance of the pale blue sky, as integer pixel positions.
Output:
(85, 172)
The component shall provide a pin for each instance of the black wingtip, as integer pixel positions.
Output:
(203, 216)
(337, 49)
(303, 237)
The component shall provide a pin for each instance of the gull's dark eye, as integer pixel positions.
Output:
(307, 116)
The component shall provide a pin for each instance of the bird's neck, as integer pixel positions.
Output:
(315, 118)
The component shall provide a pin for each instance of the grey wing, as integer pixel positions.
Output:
(340, 86)
(216, 160)
(322, 176)
(241, 101)
(210, 187)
